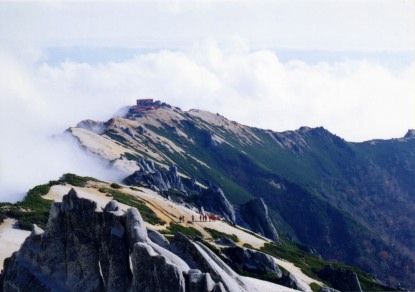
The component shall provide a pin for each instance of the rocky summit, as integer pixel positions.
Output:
(88, 248)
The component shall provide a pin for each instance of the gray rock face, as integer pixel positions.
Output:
(254, 216)
(410, 134)
(154, 272)
(141, 130)
(158, 238)
(198, 281)
(290, 281)
(156, 178)
(225, 241)
(129, 132)
(342, 279)
(93, 126)
(22, 273)
(214, 201)
(87, 248)
(201, 258)
(244, 260)
(248, 260)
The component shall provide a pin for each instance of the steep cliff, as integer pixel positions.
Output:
(254, 216)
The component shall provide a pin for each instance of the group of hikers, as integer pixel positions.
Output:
(202, 218)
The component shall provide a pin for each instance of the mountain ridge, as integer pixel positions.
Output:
(345, 188)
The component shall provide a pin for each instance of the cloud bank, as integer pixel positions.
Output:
(357, 100)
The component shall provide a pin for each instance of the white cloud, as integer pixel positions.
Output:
(357, 100)
(30, 115)
(249, 86)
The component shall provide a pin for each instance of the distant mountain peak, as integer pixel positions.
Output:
(410, 134)
(316, 130)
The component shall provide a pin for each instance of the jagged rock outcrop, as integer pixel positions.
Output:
(158, 238)
(214, 201)
(254, 216)
(200, 257)
(342, 279)
(198, 281)
(141, 130)
(86, 248)
(288, 280)
(291, 140)
(225, 241)
(410, 134)
(154, 272)
(248, 260)
(156, 178)
(244, 260)
(129, 132)
(93, 126)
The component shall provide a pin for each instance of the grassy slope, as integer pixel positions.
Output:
(345, 236)
(147, 214)
(312, 198)
(311, 265)
(34, 209)
(318, 204)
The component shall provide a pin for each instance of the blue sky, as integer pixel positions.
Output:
(346, 65)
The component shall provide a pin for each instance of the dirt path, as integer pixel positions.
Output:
(170, 211)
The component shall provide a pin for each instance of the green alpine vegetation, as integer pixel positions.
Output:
(351, 202)
(147, 214)
(174, 228)
(217, 234)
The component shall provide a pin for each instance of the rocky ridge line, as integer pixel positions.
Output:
(253, 215)
(87, 248)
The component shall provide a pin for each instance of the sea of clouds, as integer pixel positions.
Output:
(355, 99)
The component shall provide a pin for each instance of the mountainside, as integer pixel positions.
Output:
(108, 237)
(349, 202)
